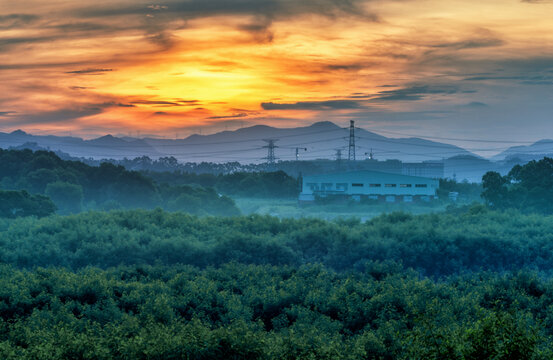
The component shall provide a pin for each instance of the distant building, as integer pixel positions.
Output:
(366, 184)
(429, 169)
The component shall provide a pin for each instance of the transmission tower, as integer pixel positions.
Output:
(270, 150)
(351, 150)
(298, 152)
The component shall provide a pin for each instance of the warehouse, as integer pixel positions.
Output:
(373, 185)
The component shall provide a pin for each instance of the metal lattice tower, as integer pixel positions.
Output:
(270, 150)
(351, 150)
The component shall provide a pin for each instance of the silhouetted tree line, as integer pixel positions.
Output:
(528, 188)
(275, 184)
(73, 186)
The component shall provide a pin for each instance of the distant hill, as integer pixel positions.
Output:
(245, 145)
(104, 147)
(525, 153)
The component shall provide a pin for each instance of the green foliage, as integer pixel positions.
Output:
(248, 184)
(468, 192)
(73, 185)
(20, 203)
(264, 312)
(434, 244)
(528, 188)
(69, 197)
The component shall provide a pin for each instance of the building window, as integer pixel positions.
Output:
(405, 185)
(326, 186)
(342, 186)
(421, 185)
(390, 185)
(313, 186)
(357, 185)
(375, 185)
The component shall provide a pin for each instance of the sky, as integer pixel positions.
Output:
(462, 70)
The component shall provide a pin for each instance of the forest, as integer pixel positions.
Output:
(74, 186)
(173, 279)
(149, 284)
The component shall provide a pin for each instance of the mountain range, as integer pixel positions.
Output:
(322, 140)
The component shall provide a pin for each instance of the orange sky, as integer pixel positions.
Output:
(459, 68)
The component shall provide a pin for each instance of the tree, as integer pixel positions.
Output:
(68, 197)
(495, 189)
(20, 203)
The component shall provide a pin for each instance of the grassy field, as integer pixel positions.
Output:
(289, 208)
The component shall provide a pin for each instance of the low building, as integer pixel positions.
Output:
(365, 184)
(428, 169)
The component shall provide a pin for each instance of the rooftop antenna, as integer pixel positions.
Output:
(351, 149)
(298, 152)
(270, 150)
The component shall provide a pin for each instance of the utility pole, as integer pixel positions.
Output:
(338, 155)
(270, 150)
(371, 156)
(298, 152)
(351, 150)
(338, 159)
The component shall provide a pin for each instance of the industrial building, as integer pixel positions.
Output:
(366, 184)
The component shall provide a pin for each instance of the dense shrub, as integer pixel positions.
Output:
(265, 312)
(435, 244)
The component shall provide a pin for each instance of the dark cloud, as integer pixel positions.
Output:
(7, 113)
(470, 43)
(415, 93)
(260, 30)
(11, 21)
(84, 27)
(61, 115)
(269, 9)
(156, 103)
(89, 71)
(530, 71)
(79, 87)
(346, 67)
(313, 105)
(24, 66)
(6, 43)
(475, 104)
(160, 18)
(124, 105)
(234, 116)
